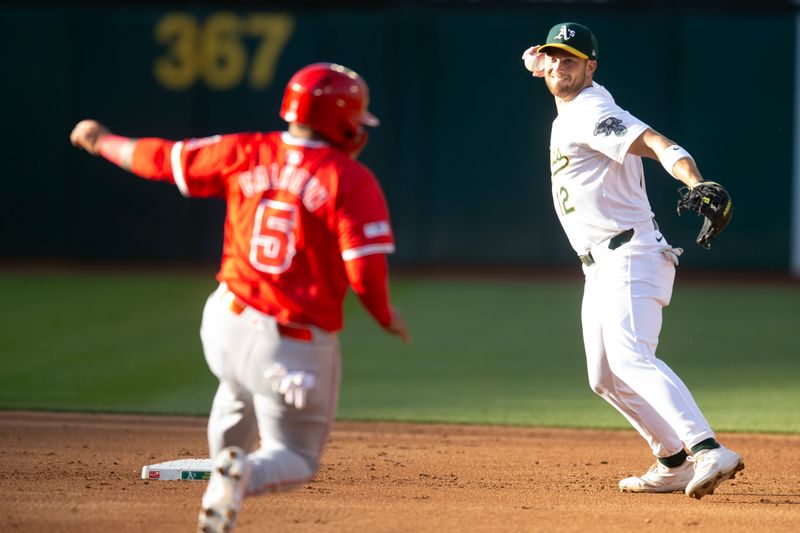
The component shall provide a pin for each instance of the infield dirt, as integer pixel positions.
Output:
(81, 473)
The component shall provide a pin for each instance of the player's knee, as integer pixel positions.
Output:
(600, 391)
(598, 386)
(277, 468)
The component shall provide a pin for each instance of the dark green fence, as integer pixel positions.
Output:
(463, 147)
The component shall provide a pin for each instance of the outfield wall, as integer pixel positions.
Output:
(462, 150)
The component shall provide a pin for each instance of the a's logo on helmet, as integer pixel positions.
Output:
(565, 34)
(610, 125)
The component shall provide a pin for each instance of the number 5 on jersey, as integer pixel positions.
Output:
(272, 245)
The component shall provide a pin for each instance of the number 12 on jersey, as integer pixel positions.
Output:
(272, 245)
(563, 196)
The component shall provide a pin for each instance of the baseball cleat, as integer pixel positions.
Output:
(223, 497)
(660, 478)
(712, 467)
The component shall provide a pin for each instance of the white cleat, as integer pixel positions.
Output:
(223, 497)
(660, 478)
(712, 467)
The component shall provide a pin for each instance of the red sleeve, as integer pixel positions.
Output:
(363, 223)
(369, 277)
(151, 159)
(199, 167)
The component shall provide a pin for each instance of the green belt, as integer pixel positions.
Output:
(613, 243)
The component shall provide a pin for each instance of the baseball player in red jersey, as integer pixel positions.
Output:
(304, 221)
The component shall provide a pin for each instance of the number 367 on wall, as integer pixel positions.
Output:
(223, 51)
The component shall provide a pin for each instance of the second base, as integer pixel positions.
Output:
(179, 469)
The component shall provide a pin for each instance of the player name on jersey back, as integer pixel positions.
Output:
(295, 180)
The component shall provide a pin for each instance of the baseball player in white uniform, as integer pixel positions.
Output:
(600, 198)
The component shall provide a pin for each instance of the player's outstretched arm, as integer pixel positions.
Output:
(97, 139)
(708, 199)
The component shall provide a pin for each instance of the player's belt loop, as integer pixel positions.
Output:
(613, 243)
(237, 306)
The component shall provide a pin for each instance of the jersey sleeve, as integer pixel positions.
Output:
(199, 167)
(369, 278)
(363, 225)
(611, 130)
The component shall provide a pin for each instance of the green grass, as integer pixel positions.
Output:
(483, 351)
(104, 342)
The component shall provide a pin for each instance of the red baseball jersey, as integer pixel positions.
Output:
(296, 210)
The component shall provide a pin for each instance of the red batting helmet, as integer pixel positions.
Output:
(332, 100)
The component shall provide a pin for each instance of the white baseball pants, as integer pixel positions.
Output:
(284, 443)
(623, 298)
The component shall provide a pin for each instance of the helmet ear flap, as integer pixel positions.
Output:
(350, 129)
(357, 143)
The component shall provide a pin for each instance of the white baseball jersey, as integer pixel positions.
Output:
(599, 192)
(598, 188)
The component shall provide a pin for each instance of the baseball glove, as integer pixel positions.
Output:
(711, 201)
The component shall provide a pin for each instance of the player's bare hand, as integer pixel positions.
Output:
(398, 326)
(87, 135)
(534, 61)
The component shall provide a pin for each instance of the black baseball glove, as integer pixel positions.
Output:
(711, 201)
